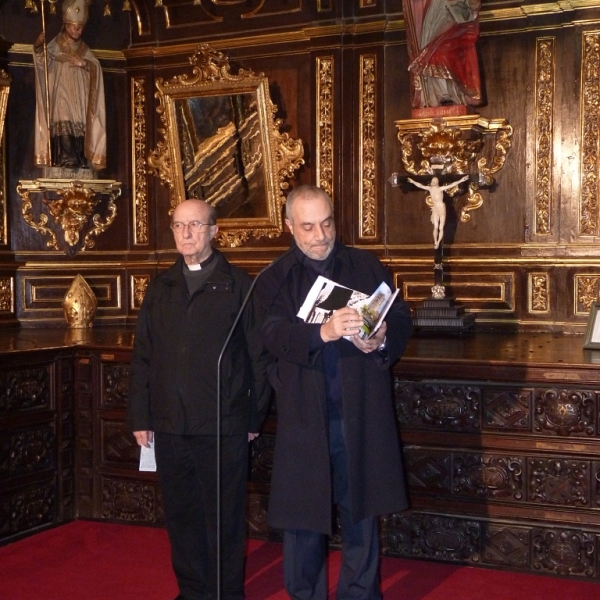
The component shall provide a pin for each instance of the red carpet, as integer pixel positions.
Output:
(101, 561)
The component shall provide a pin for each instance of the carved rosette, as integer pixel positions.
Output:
(395, 535)
(539, 293)
(325, 122)
(140, 181)
(590, 125)
(544, 110)
(565, 412)
(489, 477)
(367, 194)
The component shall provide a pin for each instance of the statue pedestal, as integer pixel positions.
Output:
(441, 314)
(83, 209)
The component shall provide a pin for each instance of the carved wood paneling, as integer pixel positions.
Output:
(261, 458)
(539, 293)
(27, 451)
(118, 446)
(565, 412)
(115, 389)
(26, 509)
(506, 545)
(507, 409)
(443, 406)
(564, 552)
(128, 500)
(22, 389)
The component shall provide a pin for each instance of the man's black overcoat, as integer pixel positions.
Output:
(300, 496)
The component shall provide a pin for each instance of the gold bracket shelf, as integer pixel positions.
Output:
(465, 145)
(82, 209)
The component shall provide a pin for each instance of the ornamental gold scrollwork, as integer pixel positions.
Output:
(140, 183)
(4, 88)
(325, 121)
(590, 124)
(459, 146)
(222, 143)
(75, 206)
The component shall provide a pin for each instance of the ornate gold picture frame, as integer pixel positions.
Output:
(222, 144)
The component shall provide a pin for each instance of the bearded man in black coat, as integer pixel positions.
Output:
(337, 440)
(185, 318)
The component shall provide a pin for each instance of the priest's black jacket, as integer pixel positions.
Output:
(301, 489)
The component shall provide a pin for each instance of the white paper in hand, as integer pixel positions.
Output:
(147, 459)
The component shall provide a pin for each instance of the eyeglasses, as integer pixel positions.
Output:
(193, 225)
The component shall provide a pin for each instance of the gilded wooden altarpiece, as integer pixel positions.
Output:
(223, 144)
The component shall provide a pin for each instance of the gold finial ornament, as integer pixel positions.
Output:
(79, 304)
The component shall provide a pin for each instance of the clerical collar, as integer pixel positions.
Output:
(203, 264)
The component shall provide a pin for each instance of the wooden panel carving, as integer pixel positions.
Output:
(115, 388)
(396, 535)
(26, 509)
(559, 481)
(507, 408)
(119, 447)
(564, 552)
(488, 477)
(565, 412)
(139, 284)
(538, 296)
(506, 545)
(25, 389)
(447, 406)
(428, 470)
(445, 538)
(27, 451)
(256, 515)
(131, 501)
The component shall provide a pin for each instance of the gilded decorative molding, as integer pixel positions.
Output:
(544, 106)
(6, 294)
(140, 181)
(325, 78)
(367, 195)
(3, 196)
(590, 125)
(539, 293)
(587, 290)
(139, 283)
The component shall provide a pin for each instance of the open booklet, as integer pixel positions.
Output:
(326, 296)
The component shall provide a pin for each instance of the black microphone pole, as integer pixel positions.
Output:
(221, 354)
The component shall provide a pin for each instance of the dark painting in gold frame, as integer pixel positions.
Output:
(222, 144)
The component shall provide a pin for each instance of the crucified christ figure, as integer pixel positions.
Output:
(438, 208)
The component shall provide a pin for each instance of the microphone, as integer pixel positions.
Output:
(219, 361)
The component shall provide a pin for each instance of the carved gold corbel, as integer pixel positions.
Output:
(72, 205)
(459, 146)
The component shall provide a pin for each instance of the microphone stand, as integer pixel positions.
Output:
(220, 359)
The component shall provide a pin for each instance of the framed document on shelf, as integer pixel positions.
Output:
(592, 333)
